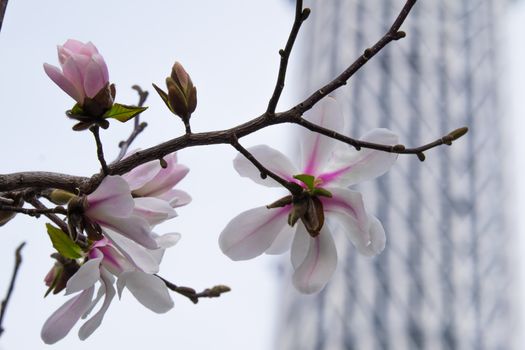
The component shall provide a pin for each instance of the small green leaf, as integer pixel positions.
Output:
(308, 180)
(63, 244)
(321, 192)
(123, 113)
(76, 110)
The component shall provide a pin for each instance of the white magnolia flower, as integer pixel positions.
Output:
(333, 166)
(134, 267)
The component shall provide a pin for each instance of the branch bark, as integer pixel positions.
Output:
(3, 306)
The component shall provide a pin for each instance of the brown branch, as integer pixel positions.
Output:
(3, 306)
(138, 127)
(3, 6)
(51, 216)
(300, 16)
(190, 293)
(33, 212)
(12, 182)
(100, 151)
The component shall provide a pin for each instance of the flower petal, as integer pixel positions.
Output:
(283, 241)
(252, 232)
(350, 167)
(94, 322)
(134, 228)
(58, 78)
(86, 276)
(154, 210)
(95, 76)
(140, 175)
(315, 268)
(316, 149)
(112, 198)
(149, 290)
(58, 325)
(165, 179)
(165, 241)
(176, 198)
(135, 253)
(377, 238)
(272, 159)
(347, 207)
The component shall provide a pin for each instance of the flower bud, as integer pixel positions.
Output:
(181, 98)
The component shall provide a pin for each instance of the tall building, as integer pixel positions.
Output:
(444, 279)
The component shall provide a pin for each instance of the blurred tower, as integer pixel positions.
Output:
(443, 281)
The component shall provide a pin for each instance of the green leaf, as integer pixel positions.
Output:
(76, 110)
(308, 180)
(321, 192)
(123, 113)
(164, 96)
(63, 244)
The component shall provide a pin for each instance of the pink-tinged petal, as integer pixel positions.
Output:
(70, 47)
(142, 174)
(154, 210)
(350, 167)
(316, 149)
(139, 256)
(348, 209)
(112, 198)
(164, 181)
(58, 77)
(72, 71)
(283, 241)
(377, 238)
(94, 322)
(318, 266)
(252, 232)
(176, 198)
(86, 276)
(95, 76)
(134, 228)
(272, 159)
(149, 290)
(88, 49)
(165, 241)
(58, 325)
(114, 261)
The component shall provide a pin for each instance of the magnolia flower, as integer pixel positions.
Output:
(151, 184)
(134, 271)
(83, 70)
(328, 167)
(112, 207)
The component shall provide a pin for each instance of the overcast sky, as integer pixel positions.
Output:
(229, 47)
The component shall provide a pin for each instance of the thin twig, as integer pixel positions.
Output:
(300, 16)
(8, 201)
(290, 186)
(138, 127)
(33, 212)
(100, 151)
(3, 6)
(51, 216)
(190, 293)
(18, 262)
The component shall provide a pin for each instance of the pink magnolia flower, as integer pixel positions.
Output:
(150, 183)
(83, 70)
(335, 166)
(112, 206)
(134, 271)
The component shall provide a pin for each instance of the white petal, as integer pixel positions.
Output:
(350, 167)
(318, 266)
(134, 228)
(252, 232)
(300, 245)
(272, 159)
(135, 253)
(348, 208)
(176, 198)
(94, 322)
(283, 241)
(165, 241)
(316, 149)
(164, 181)
(154, 210)
(58, 325)
(112, 198)
(377, 238)
(142, 174)
(86, 276)
(149, 290)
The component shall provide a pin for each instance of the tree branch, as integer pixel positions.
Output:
(3, 307)
(51, 216)
(191, 294)
(3, 6)
(300, 16)
(100, 151)
(33, 212)
(138, 127)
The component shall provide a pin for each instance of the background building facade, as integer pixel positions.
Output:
(444, 279)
